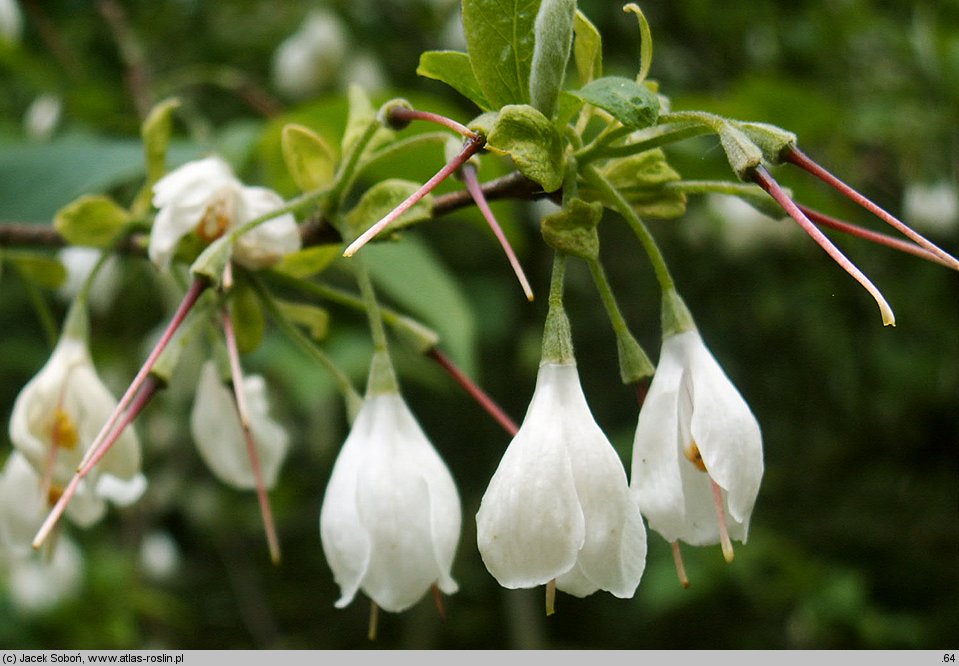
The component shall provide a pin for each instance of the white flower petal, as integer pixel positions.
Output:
(613, 555)
(271, 241)
(656, 482)
(691, 401)
(216, 429)
(22, 505)
(530, 527)
(391, 515)
(558, 505)
(68, 385)
(38, 584)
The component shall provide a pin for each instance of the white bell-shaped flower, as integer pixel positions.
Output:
(61, 410)
(558, 507)
(205, 197)
(697, 456)
(215, 424)
(391, 515)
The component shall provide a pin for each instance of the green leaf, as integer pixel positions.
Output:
(414, 278)
(641, 179)
(91, 220)
(309, 261)
(500, 41)
(361, 116)
(533, 143)
(454, 69)
(743, 155)
(573, 229)
(383, 197)
(587, 49)
(314, 319)
(42, 270)
(156, 132)
(248, 320)
(37, 180)
(646, 41)
(553, 31)
(631, 103)
(308, 157)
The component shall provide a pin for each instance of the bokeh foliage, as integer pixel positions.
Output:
(855, 539)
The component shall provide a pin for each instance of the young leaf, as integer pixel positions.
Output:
(640, 178)
(587, 49)
(361, 116)
(308, 157)
(156, 132)
(533, 143)
(313, 318)
(553, 30)
(309, 261)
(631, 103)
(573, 229)
(383, 197)
(91, 220)
(646, 41)
(500, 42)
(454, 69)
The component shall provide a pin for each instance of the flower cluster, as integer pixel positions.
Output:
(559, 510)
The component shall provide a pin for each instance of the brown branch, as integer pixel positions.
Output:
(314, 231)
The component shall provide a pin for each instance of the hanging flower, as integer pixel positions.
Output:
(215, 424)
(205, 197)
(697, 456)
(61, 410)
(558, 506)
(390, 520)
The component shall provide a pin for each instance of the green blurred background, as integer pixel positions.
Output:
(855, 536)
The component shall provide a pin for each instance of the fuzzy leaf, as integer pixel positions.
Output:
(500, 42)
(631, 103)
(573, 229)
(454, 69)
(587, 49)
(641, 177)
(554, 39)
(533, 143)
(308, 157)
(91, 220)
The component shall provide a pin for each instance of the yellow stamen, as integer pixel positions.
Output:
(551, 597)
(63, 432)
(53, 494)
(438, 602)
(374, 621)
(721, 515)
(678, 561)
(694, 456)
(215, 221)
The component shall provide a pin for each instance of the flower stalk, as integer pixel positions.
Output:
(764, 179)
(470, 148)
(236, 373)
(795, 156)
